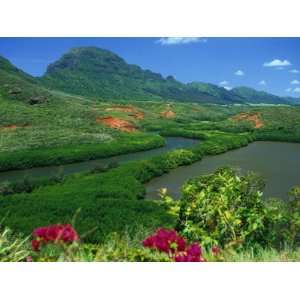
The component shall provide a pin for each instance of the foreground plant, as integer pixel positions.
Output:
(174, 245)
(56, 234)
(13, 248)
(228, 210)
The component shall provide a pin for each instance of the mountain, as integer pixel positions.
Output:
(16, 84)
(250, 95)
(101, 74)
(94, 72)
(216, 91)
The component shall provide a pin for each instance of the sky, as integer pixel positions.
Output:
(268, 64)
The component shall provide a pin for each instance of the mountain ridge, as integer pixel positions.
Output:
(102, 74)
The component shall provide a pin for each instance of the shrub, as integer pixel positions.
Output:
(228, 210)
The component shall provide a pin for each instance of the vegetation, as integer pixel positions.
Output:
(254, 96)
(69, 153)
(228, 210)
(94, 72)
(40, 127)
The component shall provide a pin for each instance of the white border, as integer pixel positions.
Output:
(144, 280)
(149, 18)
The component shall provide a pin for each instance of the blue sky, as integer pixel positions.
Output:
(269, 64)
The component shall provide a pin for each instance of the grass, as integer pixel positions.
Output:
(63, 130)
(264, 255)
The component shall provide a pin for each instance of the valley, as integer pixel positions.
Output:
(94, 139)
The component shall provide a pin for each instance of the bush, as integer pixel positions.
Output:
(228, 210)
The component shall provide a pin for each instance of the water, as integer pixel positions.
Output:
(171, 143)
(278, 163)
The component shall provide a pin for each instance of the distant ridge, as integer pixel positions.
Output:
(101, 74)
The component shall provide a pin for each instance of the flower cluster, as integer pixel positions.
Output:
(193, 253)
(174, 245)
(165, 240)
(53, 234)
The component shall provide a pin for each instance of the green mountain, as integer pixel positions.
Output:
(16, 84)
(250, 95)
(216, 91)
(101, 74)
(95, 72)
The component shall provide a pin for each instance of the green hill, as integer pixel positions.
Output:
(250, 95)
(216, 91)
(95, 72)
(17, 85)
(100, 74)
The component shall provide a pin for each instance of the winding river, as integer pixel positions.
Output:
(277, 162)
(171, 144)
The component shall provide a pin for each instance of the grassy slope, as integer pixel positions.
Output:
(110, 201)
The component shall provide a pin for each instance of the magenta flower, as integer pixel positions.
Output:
(165, 240)
(170, 242)
(53, 233)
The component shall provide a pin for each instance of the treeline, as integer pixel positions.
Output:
(110, 201)
(278, 135)
(69, 154)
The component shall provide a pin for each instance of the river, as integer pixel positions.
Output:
(171, 144)
(277, 162)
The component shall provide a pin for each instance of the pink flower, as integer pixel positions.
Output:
(53, 233)
(192, 254)
(165, 240)
(170, 242)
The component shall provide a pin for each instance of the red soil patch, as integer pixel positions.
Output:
(168, 114)
(133, 111)
(255, 119)
(12, 127)
(116, 123)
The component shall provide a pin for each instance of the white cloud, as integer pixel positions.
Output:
(296, 90)
(228, 88)
(294, 71)
(167, 41)
(262, 82)
(239, 73)
(224, 82)
(277, 63)
(295, 81)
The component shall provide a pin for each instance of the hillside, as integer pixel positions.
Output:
(95, 72)
(250, 95)
(17, 85)
(100, 74)
(216, 91)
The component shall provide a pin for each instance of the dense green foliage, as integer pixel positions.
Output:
(228, 210)
(69, 153)
(95, 72)
(39, 127)
(110, 201)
